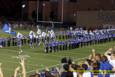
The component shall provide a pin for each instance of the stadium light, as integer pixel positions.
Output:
(24, 5)
(44, 4)
(74, 14)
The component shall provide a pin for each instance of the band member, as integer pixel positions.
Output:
(44, 36)
(31, 36)
(38, 37)
(19, 38)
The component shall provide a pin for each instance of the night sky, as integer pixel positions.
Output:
(10, 8)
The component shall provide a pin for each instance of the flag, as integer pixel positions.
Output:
(19, 35)
(6, 28)
(38, 31)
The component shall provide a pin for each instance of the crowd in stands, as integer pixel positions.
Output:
(96, 65)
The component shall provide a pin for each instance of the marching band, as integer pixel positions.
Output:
(59, 41)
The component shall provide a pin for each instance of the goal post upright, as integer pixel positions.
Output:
(43, 21)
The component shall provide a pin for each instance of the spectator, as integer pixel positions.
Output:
(23, 67)
(105, 66)
(1, 73)
(48, 73)
(55, 72)
(89, 63)
(95, 69)
(111, 57)
(32, 76)
(75, 68)
(16, 71)
(64, 60)
(67, 72)
(37, 75)
(86, 72)
(97, 57)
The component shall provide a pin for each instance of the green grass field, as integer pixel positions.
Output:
(39, 60)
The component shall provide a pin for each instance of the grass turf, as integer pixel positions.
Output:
(39, 60)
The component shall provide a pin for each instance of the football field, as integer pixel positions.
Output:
(39, 60)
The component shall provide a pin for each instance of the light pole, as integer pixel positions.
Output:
(43, 11)
(75, 17)
(23, 6)
(37, 10)
(62, 9)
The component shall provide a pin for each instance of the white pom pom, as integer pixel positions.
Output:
(1, 46)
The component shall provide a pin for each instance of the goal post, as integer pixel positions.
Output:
(53, 22)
